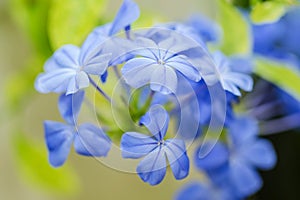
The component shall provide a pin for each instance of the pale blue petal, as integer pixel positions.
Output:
(136, 145)
(152, 169)
(59, 138)
(136, 63)
(69, 106)
(242, 130)
(220, 61)
(145, 47)
(79, 81)
(163, 80)
(92, 46)
(137, 72)
(213, 160)
(181, 64)
(231, 87)
(66, 57)
(91, 141)
(177, 157)
(51, 65)
(82, 80)
(97, 65)
(241, 64)
(245, 179)
(157, 121)
(120, 54)
(55, 81)
(195, 191)
(259, 153)
(176, 43)
(128, 13)
(240, 80)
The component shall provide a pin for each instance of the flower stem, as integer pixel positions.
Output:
(280, 125)
(100, 90)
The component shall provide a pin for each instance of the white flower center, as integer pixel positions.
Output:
(161, 62)
(161, 142)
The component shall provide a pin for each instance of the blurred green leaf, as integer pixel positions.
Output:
(70, 21)
(236, 33)
(33, 165)
(21, 85)
(32, 16)
(267, 12)
(282, 75)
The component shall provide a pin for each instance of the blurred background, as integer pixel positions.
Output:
(29, 31)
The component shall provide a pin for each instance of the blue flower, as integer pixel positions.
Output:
(231, 79)
(204, 191)
(277, 41)
(158, 64)
(89, 140)
(67, 71)
(235, 163)
(185, 30)
(152, 168)
(127, 14)
(205, 28)
(69, 68)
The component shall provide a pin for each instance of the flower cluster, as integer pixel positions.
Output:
(169, 72)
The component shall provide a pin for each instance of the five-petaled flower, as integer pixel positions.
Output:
(67, 71)
(89, 140)
(158, 62)
(152, 168)
(235, 164)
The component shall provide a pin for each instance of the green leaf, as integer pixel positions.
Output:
(70, 21)
(236, 33)
(32, 163)
(267, 12)
(20, 86)
(31, 16)
(281, 74)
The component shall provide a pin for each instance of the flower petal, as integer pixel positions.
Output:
(243, 129)
(163, 80)
(136, 145)
(185, 67)
(59, 138)
(66, 57)
(79, 81)
(97, 65)
(69, 106)
(178, 159)
(152, 169)
(240, 80)
(55, 81)
(213, 160)
(127, 14)
(195, 191)
(157, 121)
(137, 72)
(91, 141)
(245, 179)
(260, 153)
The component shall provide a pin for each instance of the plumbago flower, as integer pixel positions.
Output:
(69, 68)
(204, 191)
(230, 79)
(158, 63)
(89, 140)
(278, 110)
(152, 168)
(231, 166)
